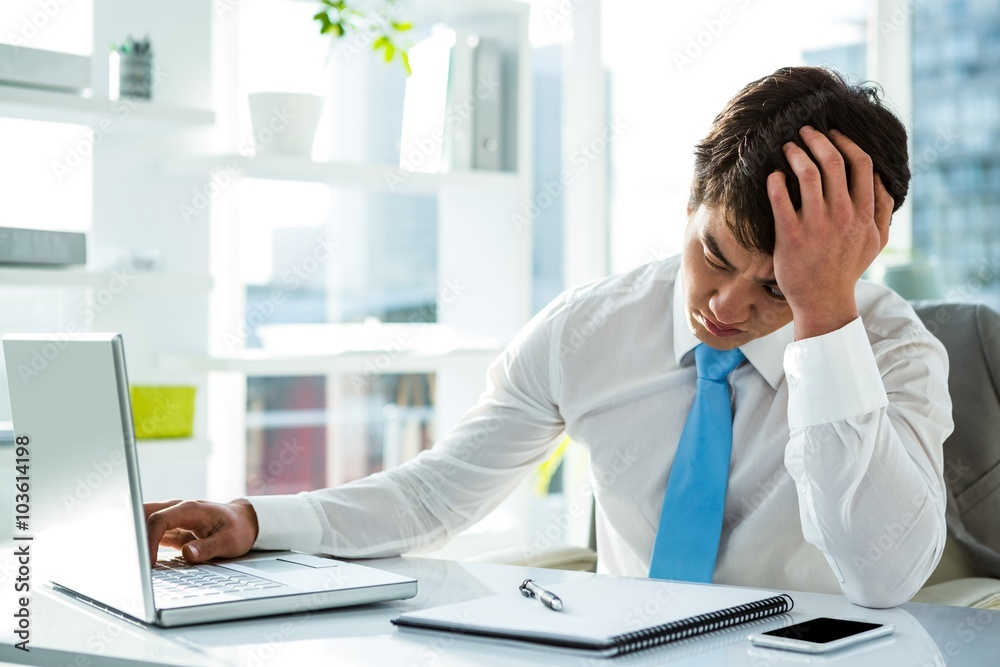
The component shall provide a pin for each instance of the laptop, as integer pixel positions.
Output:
(69, 399)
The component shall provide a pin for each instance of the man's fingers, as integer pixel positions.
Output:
(832, 166)
(187, 515)
(862, 190)
(149, 508)
(215, 546)
(810, 180)
(175, 539)
(781, 203)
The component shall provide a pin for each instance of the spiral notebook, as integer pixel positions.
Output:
(604, 616)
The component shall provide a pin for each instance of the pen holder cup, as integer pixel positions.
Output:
(135, 75)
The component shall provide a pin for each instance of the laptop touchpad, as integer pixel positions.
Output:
(270, 565)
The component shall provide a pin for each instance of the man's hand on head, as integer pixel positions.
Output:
(201, 530)
(821, 250)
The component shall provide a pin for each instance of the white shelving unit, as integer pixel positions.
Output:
(478, 244)
(30, 104)
(374, 178)
(155, 155)
(134, 209)
(266, 363)
(84, 279)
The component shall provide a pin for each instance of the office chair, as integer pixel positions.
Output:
(968, 574)
(969, 571)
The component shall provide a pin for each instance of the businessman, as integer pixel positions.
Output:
(755, 414)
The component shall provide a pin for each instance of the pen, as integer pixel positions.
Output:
(530, 589)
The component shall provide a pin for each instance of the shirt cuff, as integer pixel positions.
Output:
(286, 523)
(833, 377)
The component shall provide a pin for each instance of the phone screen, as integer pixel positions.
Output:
(822, 630)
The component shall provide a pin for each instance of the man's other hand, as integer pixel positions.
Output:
(201, 530)
(822, 249)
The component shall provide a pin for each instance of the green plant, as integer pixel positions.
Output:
(363, 21)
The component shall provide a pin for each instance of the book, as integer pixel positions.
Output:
(488, 139)
(604, 616)
(425, 105)
(459, 142)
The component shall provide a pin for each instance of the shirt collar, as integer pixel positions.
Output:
(766, 354)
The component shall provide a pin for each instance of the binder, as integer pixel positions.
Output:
(489, 121)
(603, 616)
(41, 247)
(459, 139)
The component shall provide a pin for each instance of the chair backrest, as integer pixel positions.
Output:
(971, 334)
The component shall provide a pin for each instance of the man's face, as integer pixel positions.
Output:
(730, 292)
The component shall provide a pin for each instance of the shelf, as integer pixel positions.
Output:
(84, 279)
(380, 178)
(44, 105)
(368, 362)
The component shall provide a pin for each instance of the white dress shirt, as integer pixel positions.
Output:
(836, 476)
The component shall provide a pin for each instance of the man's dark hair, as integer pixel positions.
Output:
(745, 145)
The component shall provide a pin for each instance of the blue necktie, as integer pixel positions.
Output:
(687, 541)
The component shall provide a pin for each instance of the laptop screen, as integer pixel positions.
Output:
(69, 396)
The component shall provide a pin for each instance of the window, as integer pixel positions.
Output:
(673, 70)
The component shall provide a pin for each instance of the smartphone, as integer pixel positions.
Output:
(821, 635)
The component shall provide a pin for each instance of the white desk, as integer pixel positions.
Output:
(68, 633)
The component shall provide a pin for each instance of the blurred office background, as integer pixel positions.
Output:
(335, 326)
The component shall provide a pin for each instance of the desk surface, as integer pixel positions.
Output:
(66, 632)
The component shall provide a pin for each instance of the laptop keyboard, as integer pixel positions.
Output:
(176, 578)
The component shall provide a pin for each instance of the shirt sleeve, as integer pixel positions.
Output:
(867, 418)
(426, 501)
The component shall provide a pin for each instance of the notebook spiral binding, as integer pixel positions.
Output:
(696, 625)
